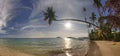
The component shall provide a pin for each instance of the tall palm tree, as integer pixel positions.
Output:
(98, 5)
(93, 17)
(49, 15)
(112, 22)
(84, 10)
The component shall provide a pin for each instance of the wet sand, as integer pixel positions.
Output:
(4, 51)
(104, 48)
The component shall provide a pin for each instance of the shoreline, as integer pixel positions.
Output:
(93, 49)
(96, 48)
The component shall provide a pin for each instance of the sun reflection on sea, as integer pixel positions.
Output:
(68, 46)
(67, 43)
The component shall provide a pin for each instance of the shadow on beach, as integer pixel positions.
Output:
(94, 50)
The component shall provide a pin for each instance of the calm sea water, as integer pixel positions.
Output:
(44, 45)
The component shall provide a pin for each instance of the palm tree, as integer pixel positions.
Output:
(98, 5)
(49, 15)
(84, 10)
(93, 17)
(112, 22)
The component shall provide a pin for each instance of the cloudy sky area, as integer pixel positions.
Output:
(24, 18)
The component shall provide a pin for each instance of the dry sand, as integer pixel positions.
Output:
(104, 48)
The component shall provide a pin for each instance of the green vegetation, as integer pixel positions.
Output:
(105, 23)
(99, 35)
(109, 21)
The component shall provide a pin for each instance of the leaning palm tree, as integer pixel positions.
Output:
(49, 15)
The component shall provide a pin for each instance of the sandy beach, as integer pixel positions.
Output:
(104, 48)
(97, 48)
(4, 51)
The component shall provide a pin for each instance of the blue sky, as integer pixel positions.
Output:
(23, 18)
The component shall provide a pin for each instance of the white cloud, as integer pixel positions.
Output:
(63, 8)
(3, 31)
(53, 34)
(6, 7)
(33, 27)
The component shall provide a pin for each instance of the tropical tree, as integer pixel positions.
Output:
(111, 19)
(98, 5)
(108, 18)
(49, 15)
(93, 17)
(84, 10)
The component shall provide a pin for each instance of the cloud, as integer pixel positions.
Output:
(3, 32)
(33, 27)
(36, 26)
(6, 6)
(63, 8)
(53, 34)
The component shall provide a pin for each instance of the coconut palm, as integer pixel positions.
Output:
(84, 10)
(93, 17)
(112, 22)
(49, 15)
(98, 5)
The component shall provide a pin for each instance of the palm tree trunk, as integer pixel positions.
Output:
(99, 27)
(78, 21)
(98, 9)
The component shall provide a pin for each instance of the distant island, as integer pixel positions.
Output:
(58, 37)
(79, 38)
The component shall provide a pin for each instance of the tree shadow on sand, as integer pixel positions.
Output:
(94, 50)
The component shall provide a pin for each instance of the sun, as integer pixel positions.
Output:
(68, 25)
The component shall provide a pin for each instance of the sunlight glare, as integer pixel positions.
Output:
(67, 46)
(68, 25)
(67, 42)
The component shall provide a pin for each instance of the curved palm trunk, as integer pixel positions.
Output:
(78, 21)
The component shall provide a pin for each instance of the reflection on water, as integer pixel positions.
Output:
(68, 46)
(40, 46)
(68, 53)
(67, 43)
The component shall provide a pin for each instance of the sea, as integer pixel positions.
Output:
(47, 46)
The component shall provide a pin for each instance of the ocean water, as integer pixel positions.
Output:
(42, 46)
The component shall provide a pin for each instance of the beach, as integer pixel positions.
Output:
(104, 48)
(43, 47)
(4, 51)
(96, 48)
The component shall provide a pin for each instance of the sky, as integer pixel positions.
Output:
(24, 18)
